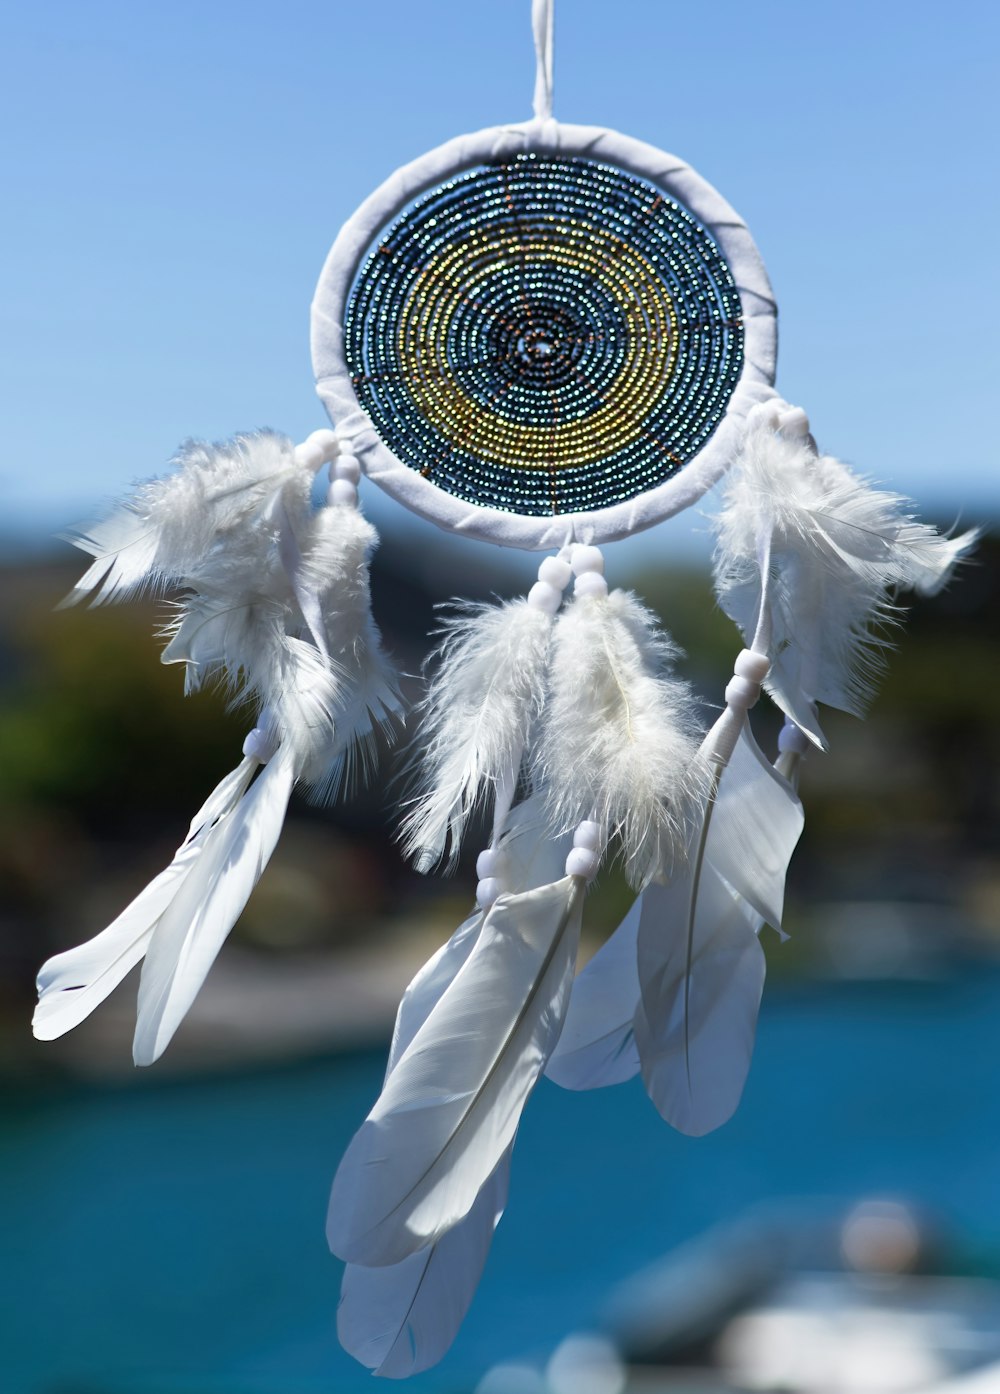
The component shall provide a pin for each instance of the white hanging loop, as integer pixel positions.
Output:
(541, 23)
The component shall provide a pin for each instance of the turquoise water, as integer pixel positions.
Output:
(169, 1236)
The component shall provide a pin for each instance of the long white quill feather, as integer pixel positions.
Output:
(401, 1318)
(696, 1049)
(701, 968)
(597, 1046)
(276, 604)
(451, 1106)
(73, 983)
(210, 899)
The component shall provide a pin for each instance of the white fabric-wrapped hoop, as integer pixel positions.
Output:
(666, 172)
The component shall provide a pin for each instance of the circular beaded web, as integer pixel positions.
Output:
(545, 336)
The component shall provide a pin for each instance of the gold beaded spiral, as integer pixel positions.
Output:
(545, 336)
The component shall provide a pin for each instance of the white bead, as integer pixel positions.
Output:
(556, 572)
(582, 862)
(545, 597)
(588, 559)
(346, 467)
(794, 423)
(327, 442)
(742, 693)
(487, 892)
(751, 665)
(486, 864)
(259, 745)
(590, 583)
(588, 834)
(342, 492)
(309, 455)
(766, 413)
(793, 739)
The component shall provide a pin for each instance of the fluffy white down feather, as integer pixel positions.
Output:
(618, 734)
(167, 527)
(838, 551)
(289, 628)
(483, 699)
(334, 571)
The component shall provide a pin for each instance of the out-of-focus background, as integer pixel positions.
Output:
(173, 178)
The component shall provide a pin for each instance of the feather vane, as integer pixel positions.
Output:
(597, 1046)
(400, 1318)
(696, 1020)
(451, 1105)
(72, 984)
(701, 968)
(208, 902)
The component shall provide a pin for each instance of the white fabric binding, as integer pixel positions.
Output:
(407, 486)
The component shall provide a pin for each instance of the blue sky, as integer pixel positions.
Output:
(177, 173)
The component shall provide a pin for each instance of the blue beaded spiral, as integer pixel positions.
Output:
(545, 336)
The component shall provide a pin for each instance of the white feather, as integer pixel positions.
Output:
(526, 861)
(167, 529)
(697, 1017)
(401, 1318)
(484, 696)
(278, 607)
(451, 1106)
(755, 824)
(701, 968)
(618, 735)
(208, 903)
(73, 983)
(335, 572)
(597, 1046)
(323, 692)
(835, 551)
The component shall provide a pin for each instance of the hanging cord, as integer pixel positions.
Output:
(541, 23)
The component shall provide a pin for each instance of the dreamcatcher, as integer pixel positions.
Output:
(548, 337)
